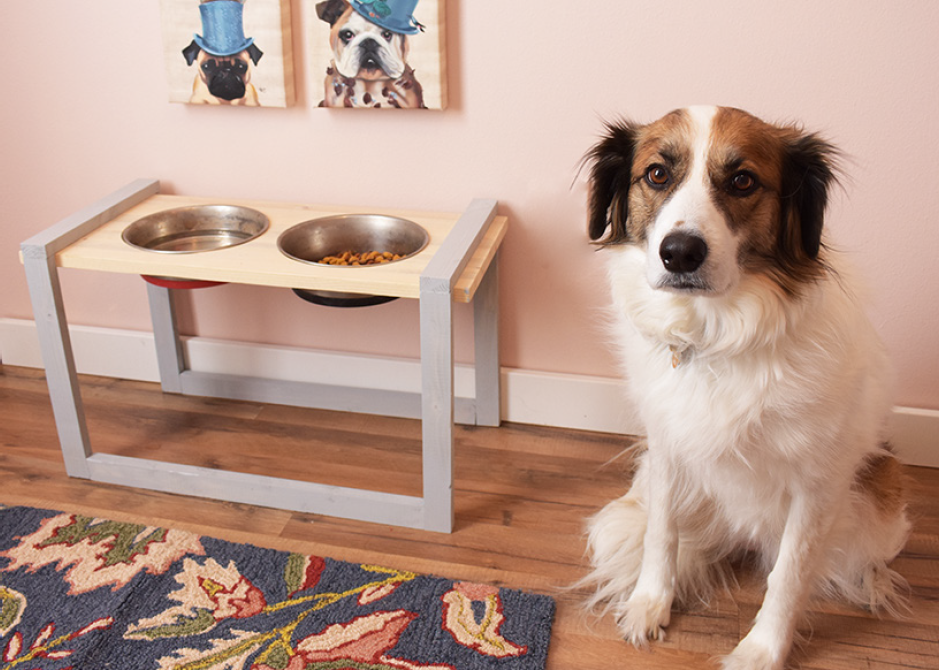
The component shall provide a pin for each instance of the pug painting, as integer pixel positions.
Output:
(369, 41)
(224, 56)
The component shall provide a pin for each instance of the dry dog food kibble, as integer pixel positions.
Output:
(364, 258)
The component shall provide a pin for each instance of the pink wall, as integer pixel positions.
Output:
(84, 111)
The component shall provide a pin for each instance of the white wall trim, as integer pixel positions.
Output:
(531, 397)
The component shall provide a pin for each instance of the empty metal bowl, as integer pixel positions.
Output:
(311, 241)
(185, 230)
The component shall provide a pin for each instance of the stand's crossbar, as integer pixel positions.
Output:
(252, 489)
(402, 404)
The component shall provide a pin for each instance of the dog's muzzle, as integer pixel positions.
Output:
(226, 78)
(682, 255)
(371, 56)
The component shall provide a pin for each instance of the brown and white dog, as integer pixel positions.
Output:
(762, 385)
(369, 66)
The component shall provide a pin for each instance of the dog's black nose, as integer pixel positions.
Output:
(683, 252)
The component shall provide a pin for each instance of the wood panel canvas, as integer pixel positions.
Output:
(228, 52)
(382, 54)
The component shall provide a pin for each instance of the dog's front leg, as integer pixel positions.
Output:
(648, 609)
(788, 586)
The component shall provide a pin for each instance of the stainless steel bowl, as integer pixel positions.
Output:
(311, 241)
(186, 230)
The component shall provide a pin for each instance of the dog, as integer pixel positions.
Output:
(224, 56)
(763, 387)
(223, 80)
(369, 66)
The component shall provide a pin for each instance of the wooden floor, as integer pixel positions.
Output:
(522, 494)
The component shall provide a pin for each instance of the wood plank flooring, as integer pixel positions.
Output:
(522, 493)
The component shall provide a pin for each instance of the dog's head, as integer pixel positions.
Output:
(226, 77)
(362, 49)
(711, 194)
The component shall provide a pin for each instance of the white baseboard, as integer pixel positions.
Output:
(530, 397)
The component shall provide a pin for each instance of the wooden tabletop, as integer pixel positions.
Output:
(260, 262)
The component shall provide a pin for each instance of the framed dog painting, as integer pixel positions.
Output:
(386, 54)
(228, 52)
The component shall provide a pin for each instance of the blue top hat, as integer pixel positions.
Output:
(394, 15)
(223, 28)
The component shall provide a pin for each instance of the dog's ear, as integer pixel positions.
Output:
(330, 10)
(809, 173)
(254, 53)
(191, 52)
(611, 165)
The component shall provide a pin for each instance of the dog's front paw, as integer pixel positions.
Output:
(751, 655)
(642, 618)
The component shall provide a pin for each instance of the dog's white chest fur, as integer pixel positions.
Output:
(717, 375)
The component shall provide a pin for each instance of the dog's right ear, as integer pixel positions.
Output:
(612, 161)
(191, 52)
(330, 10)
(254, 53)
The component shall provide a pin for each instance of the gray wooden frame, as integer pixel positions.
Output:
(436, 405)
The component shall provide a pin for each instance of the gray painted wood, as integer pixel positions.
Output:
(486, 345)
(339, 501)
(437, 409)
(451, 258)
(403, 404)
(45, 293)
(169, 349)
(42, 278)
(436, 309)
(72, 228)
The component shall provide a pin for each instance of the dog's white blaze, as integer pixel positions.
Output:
(691, 209)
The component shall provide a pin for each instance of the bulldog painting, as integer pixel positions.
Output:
(372, 59)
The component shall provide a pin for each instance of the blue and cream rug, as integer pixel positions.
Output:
(86, 593)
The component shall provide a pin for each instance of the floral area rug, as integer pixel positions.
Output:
(84, 593)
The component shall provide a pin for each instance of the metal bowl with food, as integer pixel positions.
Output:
(362, 239)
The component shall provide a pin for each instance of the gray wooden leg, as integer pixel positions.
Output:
(169, 350)
(42, 278)
(486, 335)
(52, 328)
(437, 408)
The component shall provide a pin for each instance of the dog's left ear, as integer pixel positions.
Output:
(330, 10)
(254, 53)
(809, 173)
(612, 161)
(191, 52)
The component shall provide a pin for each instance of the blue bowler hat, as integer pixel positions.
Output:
(394, 15)
(223, 28)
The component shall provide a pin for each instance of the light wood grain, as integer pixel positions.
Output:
(260, 262)
(522, 494)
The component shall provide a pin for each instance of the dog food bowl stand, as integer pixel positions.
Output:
(459, 265)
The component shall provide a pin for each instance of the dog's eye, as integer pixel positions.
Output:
(346, 36)
(387, 34)
(657, 177)
(743, 183)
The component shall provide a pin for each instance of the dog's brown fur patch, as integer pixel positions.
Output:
(880, 478)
